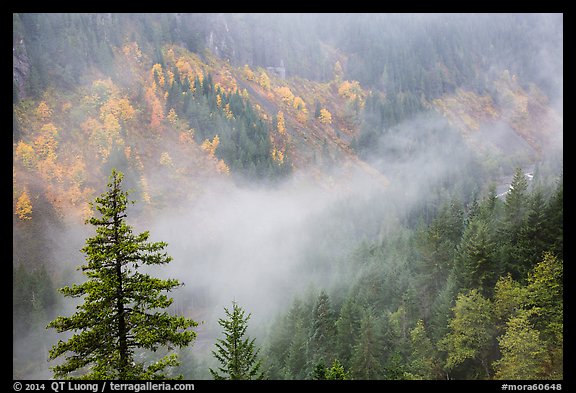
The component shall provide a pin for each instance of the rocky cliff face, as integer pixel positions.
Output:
(20, 66)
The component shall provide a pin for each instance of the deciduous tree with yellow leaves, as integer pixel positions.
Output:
(325, 116)
(24, 207)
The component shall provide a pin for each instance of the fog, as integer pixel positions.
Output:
(245, 245)
(261, 246)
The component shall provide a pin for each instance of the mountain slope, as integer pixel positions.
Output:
(278, 151)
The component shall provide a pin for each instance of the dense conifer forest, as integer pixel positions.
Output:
(322, 196)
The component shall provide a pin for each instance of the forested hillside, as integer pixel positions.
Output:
(382, 193)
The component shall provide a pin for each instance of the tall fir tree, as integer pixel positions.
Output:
(323, 331)
(347, 327)
(296, 360)
(555, 220)
(423, 360)
(477, 264)
(514, 217)
(124, 310)
(237, 355)
(365, 362)
(533, 238)
(337, 371)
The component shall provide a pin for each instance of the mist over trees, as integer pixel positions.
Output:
(383, 193)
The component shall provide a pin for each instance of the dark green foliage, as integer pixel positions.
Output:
(403, 297)
(244, 141)
(395, 367)
(470, 340)
(347, 329)
(379, 115)
(297, 356)
(533, 237)
(319, 372)
(323, 330)
(435, 248)
(477, 261)
(336, 371)
(514, 218)
(531, 323)
(366, 359)
(62, 47)
(554, 225)
(124, 309)
(433, 303)
(424, 362)
(237, 354)
(33, 298)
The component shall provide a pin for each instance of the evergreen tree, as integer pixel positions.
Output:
(531, 320)
(509, 297)
(395, 367)
(471, 336)
(237, 355)
(435, 251)
(514, 216)
(123, 310)
(286, 354)
(278, 346)
(546, 297)
(347, 327)
(478, 265)
(336, 371)
(533, 237)
(365, 362)
(319, 371)
(516, 199)
(296, 361)
(423, 358)
(323, 330)
(524, 354)
(554, 226)
(441, 308)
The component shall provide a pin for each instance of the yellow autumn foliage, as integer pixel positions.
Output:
(280, 123)
(350, 90)
(299, 103)
(158, 73)
(264, 80)
(45, 143)
(166, 159)
(210, 146)
(325, 116)
(43, 111)
(24, 207)
(221, 167)
(285, 94)
(120, 108)
(172, 116)
(26, 154)
(228, 111)
(248, 73)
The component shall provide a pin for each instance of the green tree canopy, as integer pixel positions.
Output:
(237, 355)
(471, 332)
(523, 352)
(124, 310)
(365, 362)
